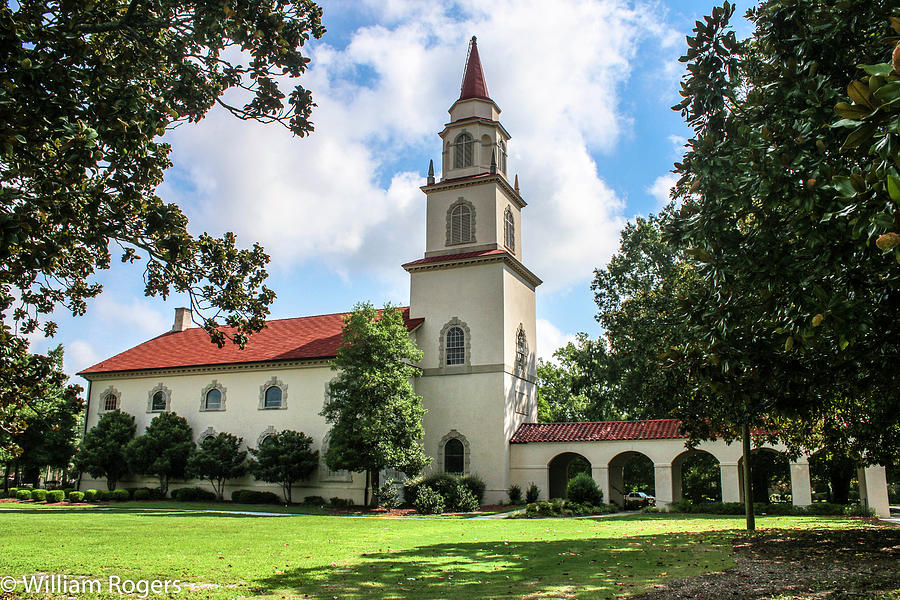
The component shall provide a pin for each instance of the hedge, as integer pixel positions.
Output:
(23, 495)
(39, 495)
(76, 496)
(255, 497)
(193, 494)
(56, 496)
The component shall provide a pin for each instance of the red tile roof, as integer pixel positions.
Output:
(659, 429)
(473, 85)
(434, 259)
(282, 339)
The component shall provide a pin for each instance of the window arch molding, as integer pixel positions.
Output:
(460, 214)
(208, 433)
(326, 474)
(509, 229)
(205, 397)
(270, 430)
(442, 456)
(263, 389)
(110, 393)
(155, 407)
(467, 346)
(463, 150)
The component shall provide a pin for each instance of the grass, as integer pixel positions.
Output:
(315, 556)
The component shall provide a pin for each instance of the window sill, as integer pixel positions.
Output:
(212, 410)
(273, 408)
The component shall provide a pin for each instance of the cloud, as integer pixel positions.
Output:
(550, 339)
(347, 196)
(662, 189)
(79, 355)
(136, 315)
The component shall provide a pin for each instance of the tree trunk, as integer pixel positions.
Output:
(110, 484)
(748, 487)
(366, 492)
(6, 478)
(376, 483)
(289, 486)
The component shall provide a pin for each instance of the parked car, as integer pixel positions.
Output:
(639, 500)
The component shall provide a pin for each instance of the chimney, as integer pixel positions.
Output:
(182, 319)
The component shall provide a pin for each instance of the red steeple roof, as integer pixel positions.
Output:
(473, 85)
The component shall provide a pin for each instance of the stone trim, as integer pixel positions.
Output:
(471, 181)
(215, 385)
(159, 388)
(509, 243)
(270, 430)
(274, 381)
(517, 267)
(101, 406)
(442, 345)
(326, 474)
(473, 369)
(521, 365)
(455, 435)
(472, 235)
(209, 432)
(305, 363)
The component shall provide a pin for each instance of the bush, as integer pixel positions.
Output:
(39, 495)
(582, 489)
(442, 483)
(388, 495)
(68, 491)
(340, 502)
(314, 501)
(106, 495)
(56, 496)
(825, 508)
(462, 500)
(254, 497)
(120, 496)
(428, 501)
(545, 508)
(515, 494)
(91, 495)
(76, 496)
(23, 495)
(532, 493)
(193, 494)
(858, 510)
(476, 485)
(141, 494)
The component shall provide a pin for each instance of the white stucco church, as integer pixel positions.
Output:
(472, 313)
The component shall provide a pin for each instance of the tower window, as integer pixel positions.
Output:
(454, 456)
(502, 163)
(456, 346)
(461, 222)
(463, 151)
(273, 397)
(509, 229)
(110, 402)
(213, 399)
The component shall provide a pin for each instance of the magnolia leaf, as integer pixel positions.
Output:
(789, 343)
(859, 93)
(859, 136)
(893, 185)
(848, 111)
(895, 23)
(843, 187)
(883, 69)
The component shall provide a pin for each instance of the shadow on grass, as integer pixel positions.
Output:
(584, 567)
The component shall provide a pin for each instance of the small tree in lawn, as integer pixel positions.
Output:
(285, 458)
(376, 416)
(102, 453)
(218, 459)
(163, 450)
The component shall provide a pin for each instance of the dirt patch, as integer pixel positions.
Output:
(819, 564)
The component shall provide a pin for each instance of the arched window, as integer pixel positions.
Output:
(456, 346)
(463, 151)
(509, 229)
(461, 223)
(273, 397)
(521, 349)
(159, 401)
(213, 399)
(110, 402)
(454, 457)
(502, 163)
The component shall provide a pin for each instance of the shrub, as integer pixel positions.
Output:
(442, 483)
(120, 495)
(428, 501)
(56, 496)
(105, 495)
(76, 496)
(39, 495)
(340, 502)
(582, 489)
(532, 493)
(68, 491)
(388, 495)
(858, 510)
(515, 494)
(23, 495)
(476, 485)
(314, 501)
(193, 494)
(545, 508)
(254, 497)
(462, 500)
(91, 495)
(141, 494)
(825, 508)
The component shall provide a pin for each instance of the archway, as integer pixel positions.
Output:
(564, 467)
(833, 477)
(630, 472)
(696, 477)
(770, 475)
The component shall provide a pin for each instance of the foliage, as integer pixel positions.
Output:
(387, 496)
(338, 502)
(475, 484)
(218, 459)
(376, 416)
(91, 495)
(76, 496)
(428, 501)
(89, 89)
(462, 500)
(573, 386)
(284, 458)
(254, 497)
(515, 494)
(39, 495)
(194, 494)
(314, 500)
(23, 495)
(564, 508)
(102, 453)
(701, 479)
(582, 489)
(532, 493)
(163, 450)
(119, 495)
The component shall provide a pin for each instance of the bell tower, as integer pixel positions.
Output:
(475, 294)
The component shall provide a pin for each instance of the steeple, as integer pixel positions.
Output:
(473, 83)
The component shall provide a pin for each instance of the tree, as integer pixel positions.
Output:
(89, 90)
(102, 453)
(574, 388)
(218, 459)
(163, 450)
(790, 326)
(284, 458)
(376, 416)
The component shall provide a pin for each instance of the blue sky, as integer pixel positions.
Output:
(585, 87)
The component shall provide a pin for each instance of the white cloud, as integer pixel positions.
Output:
(550, 339)
(557, 72)
(79, 355)
(135, 314)
(662, 188)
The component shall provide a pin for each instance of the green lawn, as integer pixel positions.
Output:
(315, 556)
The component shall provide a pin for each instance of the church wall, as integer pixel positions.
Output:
(482, 198)
(501, 202)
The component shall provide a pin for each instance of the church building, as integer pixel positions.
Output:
(471, 312)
